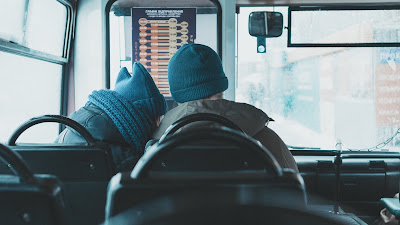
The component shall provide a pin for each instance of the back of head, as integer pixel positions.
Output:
(195, 72)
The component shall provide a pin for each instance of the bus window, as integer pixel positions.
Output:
(45, 27)
(132, 40)
(12, 20)
(33, 56)
(328, 98)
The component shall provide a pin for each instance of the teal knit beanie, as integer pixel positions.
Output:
(195, 72)
(141, 89)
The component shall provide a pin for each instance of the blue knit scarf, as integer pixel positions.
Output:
(131, 120)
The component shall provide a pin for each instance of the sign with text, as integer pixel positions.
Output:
(157, 33)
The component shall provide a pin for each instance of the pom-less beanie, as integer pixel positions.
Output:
(133, 105)
(195, 72)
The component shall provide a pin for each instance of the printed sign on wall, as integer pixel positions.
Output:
(156, 36)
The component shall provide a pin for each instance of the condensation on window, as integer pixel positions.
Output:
(29, 88)
(12, 15)
(329, 98)
(45, 26)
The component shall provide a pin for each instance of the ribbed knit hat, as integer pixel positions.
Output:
(195, 72)
(133, 106)
(140, 88)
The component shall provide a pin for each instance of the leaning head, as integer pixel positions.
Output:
(135, 105)
(140, 90)
(195, 72)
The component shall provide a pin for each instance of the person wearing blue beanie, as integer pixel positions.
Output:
(124, 117)
(197, 82)
(205, 65)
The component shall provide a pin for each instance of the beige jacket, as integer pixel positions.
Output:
(249, 118)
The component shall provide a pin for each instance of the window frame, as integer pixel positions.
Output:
(64, 60)
(15, 48)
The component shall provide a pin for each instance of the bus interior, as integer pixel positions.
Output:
(324, 70)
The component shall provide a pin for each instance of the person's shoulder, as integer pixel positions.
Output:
(241, 105)
(170, 117)
(249, 118)
(97, 122)
(89, 114)
(232, 106)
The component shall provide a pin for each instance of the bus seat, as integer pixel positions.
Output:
(216, 207)
(27, 198)
(84, 170)
(205, 160)
(207, 149)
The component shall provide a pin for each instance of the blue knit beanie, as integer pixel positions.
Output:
(195, 72)
(141, 89)
(133, 106)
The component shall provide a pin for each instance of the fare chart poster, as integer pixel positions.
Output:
(156, 36)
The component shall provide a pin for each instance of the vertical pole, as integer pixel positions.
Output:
(337, 162)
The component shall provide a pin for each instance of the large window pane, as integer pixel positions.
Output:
(12, 15)
(29, 88)
(329, 98)
(46, 24)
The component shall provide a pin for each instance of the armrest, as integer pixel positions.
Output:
(392, 205)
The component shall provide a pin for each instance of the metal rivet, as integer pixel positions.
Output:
(26, 217)
(91, 166)
(246, 164)
(163, 164)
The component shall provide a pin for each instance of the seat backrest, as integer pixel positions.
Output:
(200, 149)
(205, 159)
(27, 198)
(206, 150)
(125, 192)
(68, 162)
(84, 169)
(222, 206)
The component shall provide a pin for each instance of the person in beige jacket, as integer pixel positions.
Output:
(197, 82)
